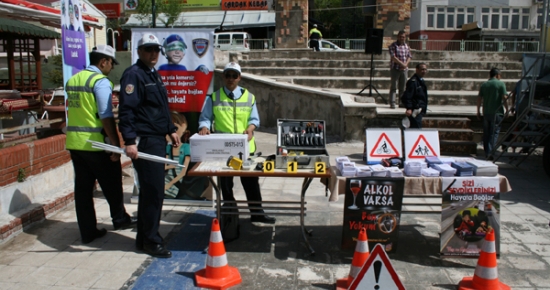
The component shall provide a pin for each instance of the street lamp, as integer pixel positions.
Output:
(153, 8)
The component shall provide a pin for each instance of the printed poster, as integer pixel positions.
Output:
(470, 208)
(73, 40)
(186, 65)
(374, 203)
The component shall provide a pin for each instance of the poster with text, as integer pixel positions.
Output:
(469, 210)
(185, 64)
(374, 203)
(73, 39)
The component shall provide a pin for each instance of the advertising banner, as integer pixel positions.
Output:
(469, 210)
(186, 64)
(73, 39)
(245, 4)
(201, 3)
(375, 204)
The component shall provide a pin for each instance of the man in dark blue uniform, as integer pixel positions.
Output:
(415, 98)
(144, 123)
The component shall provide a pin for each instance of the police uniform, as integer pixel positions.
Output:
(84, 91)
(416, 97)
(144, 113)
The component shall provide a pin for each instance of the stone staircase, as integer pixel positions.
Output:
(453, 79)
(456, 138)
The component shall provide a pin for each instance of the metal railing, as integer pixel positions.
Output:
(427, 45)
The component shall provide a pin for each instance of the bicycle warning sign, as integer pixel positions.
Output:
(383, 143)
(421, 143)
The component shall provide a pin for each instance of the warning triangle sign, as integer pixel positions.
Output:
(377, 273)
(421, 148)
(384, 147)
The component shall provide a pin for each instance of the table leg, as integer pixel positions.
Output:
(218, 196)
(305, 185)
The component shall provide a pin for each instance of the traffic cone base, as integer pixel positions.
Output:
(342, 284)
(232, 279)
(467, 284)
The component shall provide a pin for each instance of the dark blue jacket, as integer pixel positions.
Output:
(143, 109)
(416, 94)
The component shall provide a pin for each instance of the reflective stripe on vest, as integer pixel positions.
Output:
(84, 123)
(231, 116)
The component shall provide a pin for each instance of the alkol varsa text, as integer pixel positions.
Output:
(378, 195)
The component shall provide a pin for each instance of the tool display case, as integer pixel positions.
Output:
(303, 141)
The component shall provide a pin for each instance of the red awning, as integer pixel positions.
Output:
(23, 10)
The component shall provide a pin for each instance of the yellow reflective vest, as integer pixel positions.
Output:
(84, 122)
(231, 116)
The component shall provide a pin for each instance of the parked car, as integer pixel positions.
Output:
(325, 45)
(236, 41)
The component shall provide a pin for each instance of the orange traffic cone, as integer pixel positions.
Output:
(485, 275)
(359, 257)
(217, 274)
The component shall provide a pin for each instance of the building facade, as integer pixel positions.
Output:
(488, 20)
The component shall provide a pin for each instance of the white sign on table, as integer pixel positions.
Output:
(421, 143)
(383, 143)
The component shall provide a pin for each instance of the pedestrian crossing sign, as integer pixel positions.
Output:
(421, 143)
(383, 143)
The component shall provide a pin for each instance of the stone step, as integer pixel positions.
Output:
(444, 98)
(457, 147)
(449, 56)
(446, 122)
(320, 63)
(384, 83)
(378, 72)
(454, 134)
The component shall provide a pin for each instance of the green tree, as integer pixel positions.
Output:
(328, 11)
(168, 10)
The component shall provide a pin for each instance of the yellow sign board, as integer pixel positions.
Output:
(201, 3)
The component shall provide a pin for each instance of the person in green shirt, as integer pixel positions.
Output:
(314, 37)
(493, 95)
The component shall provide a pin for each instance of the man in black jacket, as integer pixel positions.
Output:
(415, 98)
(144, 115)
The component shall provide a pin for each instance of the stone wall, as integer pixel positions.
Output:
(291, 23)
(393, 16)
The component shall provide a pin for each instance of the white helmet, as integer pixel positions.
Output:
(148, 39)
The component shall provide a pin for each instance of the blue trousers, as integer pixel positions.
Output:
(491, 130)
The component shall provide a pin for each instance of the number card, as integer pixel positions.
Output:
(320, 168)
(292, 167)
(269, 166)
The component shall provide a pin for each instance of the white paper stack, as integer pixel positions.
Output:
(422, 163)
(379, 171)
(363, 171)
(446, 160)
(463, 169)
(395, 171)
(484, 168)
(348, 169)
(430, 172)
(431, 160)
(340, 160)
(414, 168)
(445, 169)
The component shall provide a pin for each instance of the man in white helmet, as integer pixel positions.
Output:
(144, 123)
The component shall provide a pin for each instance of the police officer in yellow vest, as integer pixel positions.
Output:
(233, 110)
(90, 114)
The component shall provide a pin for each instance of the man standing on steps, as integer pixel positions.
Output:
(415, 98)
(493, 94)
(400, 54)
(314, 37)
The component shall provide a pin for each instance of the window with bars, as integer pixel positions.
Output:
(449, 17)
